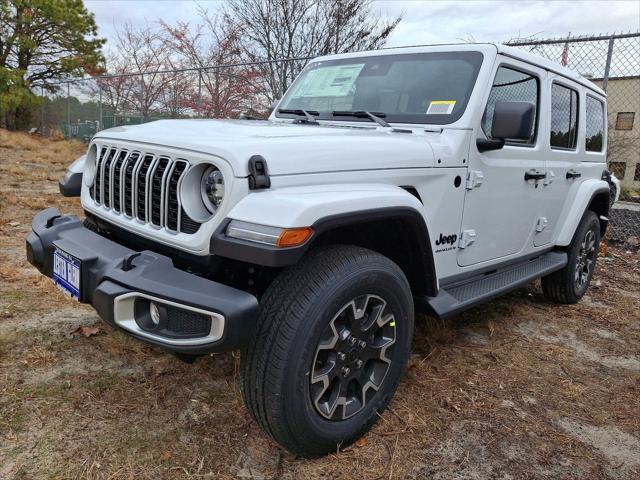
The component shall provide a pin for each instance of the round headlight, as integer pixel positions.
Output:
(212, 188)
(90, 165)
(202, 191)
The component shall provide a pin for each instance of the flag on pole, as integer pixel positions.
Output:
(565, 52)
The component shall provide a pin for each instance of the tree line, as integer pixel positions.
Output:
(42, 41)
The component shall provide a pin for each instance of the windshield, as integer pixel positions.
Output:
(408, 88)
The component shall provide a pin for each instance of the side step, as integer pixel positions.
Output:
(457, 297)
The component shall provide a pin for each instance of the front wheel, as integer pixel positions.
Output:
(570, 284)
(332, 340)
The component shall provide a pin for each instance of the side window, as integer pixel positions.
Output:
(564, 117)
(595, 125)
(512, 86)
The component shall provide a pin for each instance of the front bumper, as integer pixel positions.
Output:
(114, 277)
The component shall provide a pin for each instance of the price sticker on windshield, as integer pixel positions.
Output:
(328, 81)
(441, 107)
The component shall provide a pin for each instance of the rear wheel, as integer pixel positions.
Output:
(570, 284)
(333, 337)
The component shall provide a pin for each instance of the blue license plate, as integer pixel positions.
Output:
(66, 273)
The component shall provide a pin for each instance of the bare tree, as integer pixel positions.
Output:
(174, 100)
(145, 52)
(214, 42)
(276, 29)
(115, 88)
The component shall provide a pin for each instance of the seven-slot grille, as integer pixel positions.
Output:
(142, 185)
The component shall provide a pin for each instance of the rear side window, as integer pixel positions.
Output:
(564, 117)
(512, 86)
(595, 125)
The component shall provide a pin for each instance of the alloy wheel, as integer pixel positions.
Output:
(353, 357)
(586, 259)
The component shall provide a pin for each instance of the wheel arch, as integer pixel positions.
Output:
(382, 217)
(593, 195)
(398, 233)
(600, 204)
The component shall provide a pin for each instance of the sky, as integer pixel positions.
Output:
(424, 21)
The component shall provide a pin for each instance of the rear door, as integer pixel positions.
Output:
(563, 155)
(576, 143)
(501, 210)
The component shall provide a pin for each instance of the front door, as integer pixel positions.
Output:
(502, 201)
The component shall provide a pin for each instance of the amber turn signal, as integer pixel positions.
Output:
(292, 237)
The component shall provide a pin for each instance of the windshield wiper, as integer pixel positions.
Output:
(308, 114)
(375, 116)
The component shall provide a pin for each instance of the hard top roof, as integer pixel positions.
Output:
(512, 52)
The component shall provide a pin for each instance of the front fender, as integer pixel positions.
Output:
(78, 164)
(587, 191)
(70, 184)
(304, 206)
(328, 208)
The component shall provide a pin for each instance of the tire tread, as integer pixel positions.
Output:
(558, 286)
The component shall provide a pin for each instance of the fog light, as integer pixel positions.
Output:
(154, 312)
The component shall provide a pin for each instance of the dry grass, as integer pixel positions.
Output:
(518, 388)
(48, 147)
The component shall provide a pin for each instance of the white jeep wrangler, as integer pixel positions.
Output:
(431, 178)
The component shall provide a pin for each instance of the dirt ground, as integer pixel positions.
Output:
(518, 388)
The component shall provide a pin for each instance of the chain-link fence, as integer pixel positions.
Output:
(80, 108)
(613, 63)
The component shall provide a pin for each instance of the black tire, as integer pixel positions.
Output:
(570, 284)
(296, 312)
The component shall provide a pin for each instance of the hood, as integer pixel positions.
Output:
(288, 148)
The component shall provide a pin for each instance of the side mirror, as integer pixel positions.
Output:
(511, 121)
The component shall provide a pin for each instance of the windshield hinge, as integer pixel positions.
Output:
(258, 173)
(474, 179)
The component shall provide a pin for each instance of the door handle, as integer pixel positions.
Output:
(573, 174)
(534, 174)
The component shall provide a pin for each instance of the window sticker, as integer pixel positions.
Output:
(441, 107)
(329, 81)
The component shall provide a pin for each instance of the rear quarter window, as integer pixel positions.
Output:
(564, 117)
(594, 139)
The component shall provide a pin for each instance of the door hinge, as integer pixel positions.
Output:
(474, 179)
(548, 179)
(541, 224)
(467, 238)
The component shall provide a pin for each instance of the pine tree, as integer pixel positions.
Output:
(40, 41)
